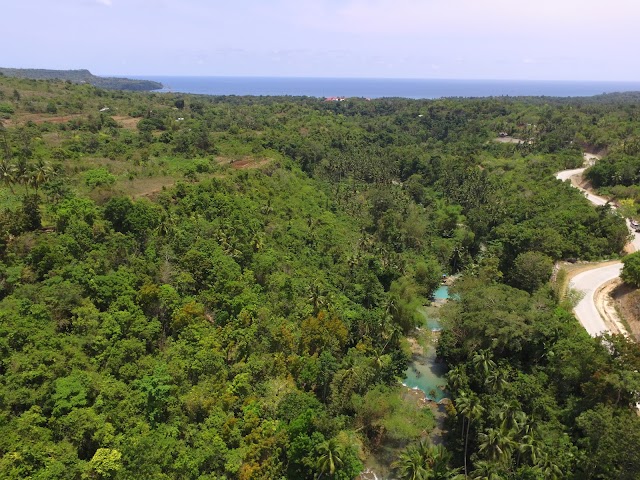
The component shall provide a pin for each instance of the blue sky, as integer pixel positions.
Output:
(467, 39)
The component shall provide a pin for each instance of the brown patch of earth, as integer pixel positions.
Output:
(247, 164)
(606, 306)
(148, 187)
(38, 118)
(627, 303)
(130, 123)
(507, 140)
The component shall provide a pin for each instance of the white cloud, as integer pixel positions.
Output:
(106, 3)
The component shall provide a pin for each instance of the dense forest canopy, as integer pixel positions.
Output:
(221, 287)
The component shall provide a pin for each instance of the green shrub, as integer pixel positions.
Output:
(99, 177)
(5, 110)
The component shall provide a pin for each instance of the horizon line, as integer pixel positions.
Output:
(305, 77)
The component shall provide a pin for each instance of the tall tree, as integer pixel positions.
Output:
(469, 407)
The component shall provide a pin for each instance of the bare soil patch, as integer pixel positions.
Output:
(627, 303)
(130, 123)
(508, 140)
(146, 187)
(606, 306)
(39, 118)
(247, 164)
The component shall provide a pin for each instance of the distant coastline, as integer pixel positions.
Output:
(380, 88)
(82, 76)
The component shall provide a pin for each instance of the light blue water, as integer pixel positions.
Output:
(384, 87)
(428, 375)
(425, 372)
(432, 322)
(442, 293)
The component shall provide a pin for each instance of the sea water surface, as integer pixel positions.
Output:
(384, 87)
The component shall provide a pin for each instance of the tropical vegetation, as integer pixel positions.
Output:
(221, 287)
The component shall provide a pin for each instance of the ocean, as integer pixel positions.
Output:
(378, 88)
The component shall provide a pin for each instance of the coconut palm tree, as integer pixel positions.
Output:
(511, 416)
(550, 470)
(529, 447)
(7, 148)
(22, 173)
(496, 380)
(526, 439)
(471, 410)
(487, 471)
(39, 174)
(8, 173)
(410, 465)
(437, 459)
(317, 295)
(496, 444)
(425, 461)
(457, 378)
(330, 457)
(483, 362)
(167, 224)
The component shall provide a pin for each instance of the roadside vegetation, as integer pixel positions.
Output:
(221, 287)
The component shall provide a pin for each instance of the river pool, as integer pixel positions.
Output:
(425, 373)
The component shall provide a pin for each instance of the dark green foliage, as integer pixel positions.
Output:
(531, 270)
(609, 438)
(631, 270)
(542, 385)
(138, 218)
(30, 213)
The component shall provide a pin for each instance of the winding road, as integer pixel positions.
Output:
(591, 281)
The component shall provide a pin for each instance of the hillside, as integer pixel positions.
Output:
(81, 76)
(197, 287)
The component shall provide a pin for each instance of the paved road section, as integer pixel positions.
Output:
(588, 282)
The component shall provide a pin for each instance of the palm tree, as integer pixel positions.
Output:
(529, 446)
(549, 469)
(437, 459)
(22, 173)
(527, 440)
(470, 409)
(496, 444)
(425, 461)
(487, 471)
(330, 459)
(7, 149)
(317, 296)
(167, 224)
(496, 380)
(483, 362)
(39, 174)
(257, 241)
(457, 378)
(8, 173)
(410, 465)
(511, 416)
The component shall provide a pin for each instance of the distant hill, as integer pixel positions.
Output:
(81, 76)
